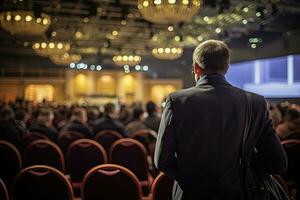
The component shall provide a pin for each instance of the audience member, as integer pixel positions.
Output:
(78, 123)
(290, 125)
(137, 121)
(8, 129)
(153, 120)
(21, 119)
(44, 125)
(109, 121)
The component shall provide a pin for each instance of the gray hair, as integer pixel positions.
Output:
(212, 55)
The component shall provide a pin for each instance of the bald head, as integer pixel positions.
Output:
(212, 56)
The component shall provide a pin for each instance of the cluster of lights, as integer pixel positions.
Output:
(65, 58)
(83, 66)
(24, 22)
(168, 11)
(51, 48)
(254, 42)
(137, 68)
(167, 53)
(131, 60)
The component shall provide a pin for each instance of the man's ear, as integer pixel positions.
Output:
(197, 69)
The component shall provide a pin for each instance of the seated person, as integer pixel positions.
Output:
(109, 121)
(9, 131)
(78, 123)
(290, 125)
(44, 125)
(21, 119)
(137, 122)
(153, 120)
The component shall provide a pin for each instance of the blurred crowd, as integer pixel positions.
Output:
(19, 118)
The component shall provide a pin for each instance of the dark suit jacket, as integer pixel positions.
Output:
(10, 132)
(78, 127)
(106, 123)
(200, 137)
(51, 133)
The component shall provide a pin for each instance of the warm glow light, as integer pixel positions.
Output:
(17, 18)
(28, 18)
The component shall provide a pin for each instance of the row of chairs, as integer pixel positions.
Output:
(106, 182)
(82, 155)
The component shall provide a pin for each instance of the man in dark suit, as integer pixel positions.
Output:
(78, 123)
(201, 132)
(109, 121)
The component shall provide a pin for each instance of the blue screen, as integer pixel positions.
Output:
(273, 77)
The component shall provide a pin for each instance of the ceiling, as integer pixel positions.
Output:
(91, 26)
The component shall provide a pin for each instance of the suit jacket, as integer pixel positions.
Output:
(200, 136)
(51, 133)
(78, 127)
(10, 132)
(106, 123)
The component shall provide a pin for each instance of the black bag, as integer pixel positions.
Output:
(253, 186)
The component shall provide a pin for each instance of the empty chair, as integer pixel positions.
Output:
(66, 138)
(107, 137)
(44, 152)
(10, 163)
(161, 188)
(132, 155)
(83, 155)
(111, 182)
(41, 182)
(147, 137)
(30, 137)
(3, 191)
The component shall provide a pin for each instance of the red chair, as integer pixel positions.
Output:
(292, 175)
(83, 155)
(44, 152)
(41, 182)
(30, 137)
(10, 163)
(66, 138)
(3, 191)
(111, 182)
(147, 137)
(162, 187)
(106, 138)
(132, 155)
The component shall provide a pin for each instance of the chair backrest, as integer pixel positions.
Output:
(10, 163)
(292, 149)
(66, 138)
(83, 155)
(161, 188)
(106, 138)
(146, 136)
(111, 182)
(3, 191)
(41, 182)
(30, 137)
(44, 152)
(131, 154)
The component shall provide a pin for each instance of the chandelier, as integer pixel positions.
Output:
(167, 53)
(24, 23)
(51, 48)
(168, 11)
(65, 59)
(130, 60)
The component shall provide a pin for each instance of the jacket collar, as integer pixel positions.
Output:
(211, 79)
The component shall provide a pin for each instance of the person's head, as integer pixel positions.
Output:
(79, 114)
(111, 110)
(138, 113)
(291, 115)
(22, 115)
(151, 108)
(45, 116)
(7, 114)
(211, 56)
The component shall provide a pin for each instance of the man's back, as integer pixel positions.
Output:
(204, 128)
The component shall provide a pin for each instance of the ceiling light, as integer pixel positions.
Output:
(170, 28)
